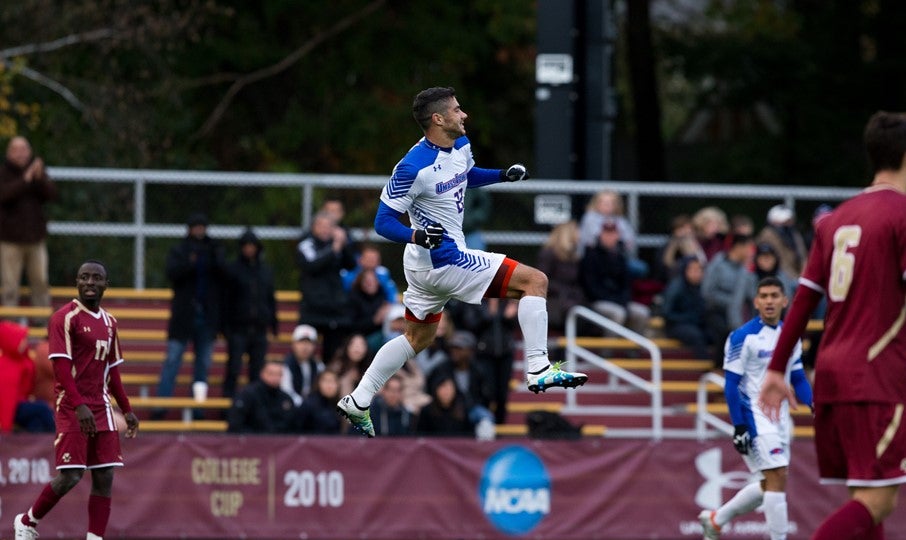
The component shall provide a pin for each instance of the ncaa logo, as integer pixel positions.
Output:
(515, 490)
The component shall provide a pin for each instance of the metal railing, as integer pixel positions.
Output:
(703, 418)
(620, 380)
(140, 230)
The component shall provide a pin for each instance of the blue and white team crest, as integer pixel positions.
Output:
(515, 490)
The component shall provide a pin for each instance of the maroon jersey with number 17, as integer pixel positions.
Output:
(858, 260)
(90, 341)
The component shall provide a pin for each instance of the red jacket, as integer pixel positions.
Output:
(17, 372)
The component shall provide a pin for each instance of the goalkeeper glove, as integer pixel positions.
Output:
(514, 173)
(741, 439)
(430, 237)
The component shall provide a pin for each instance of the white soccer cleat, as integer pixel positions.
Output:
(360, 419)
(23, 531)
(710, 528)
(554, 376)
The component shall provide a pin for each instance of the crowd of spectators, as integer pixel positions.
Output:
(705, 276)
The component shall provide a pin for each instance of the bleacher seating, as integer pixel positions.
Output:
(143, 314)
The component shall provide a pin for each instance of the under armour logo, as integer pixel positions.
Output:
(437, 167)
(710, 494)
(86, 329)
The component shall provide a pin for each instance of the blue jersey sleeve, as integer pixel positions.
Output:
(734, 402)
(387, 224)
(801, 386)
(479, 177)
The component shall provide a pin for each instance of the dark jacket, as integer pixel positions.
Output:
(391, 421)
(22, 217)
(363, 307)
(196, 269)
(318, 414)
(683, 303)
(324, 300)
(605, 275)
(249, 300)
(260, 408)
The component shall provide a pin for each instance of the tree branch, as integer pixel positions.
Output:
(52, 85)
(255, 76)
(72, 39)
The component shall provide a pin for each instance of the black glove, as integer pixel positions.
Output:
(514, 173)
(741, 439)
(431, 236)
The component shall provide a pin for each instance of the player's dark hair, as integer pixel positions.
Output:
(430, 101)
(885, 141)
(737, 239)
(99, 263)
(771, 281)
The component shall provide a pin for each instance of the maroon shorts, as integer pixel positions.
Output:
(861, 444)
(75, 450)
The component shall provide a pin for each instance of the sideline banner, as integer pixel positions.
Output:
(223, 486)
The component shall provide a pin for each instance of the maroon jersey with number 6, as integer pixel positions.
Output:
(858, 261)
(89, 340)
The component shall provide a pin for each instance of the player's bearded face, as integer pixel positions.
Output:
(454, 120)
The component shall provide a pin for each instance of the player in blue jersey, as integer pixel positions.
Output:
(764, 444)
(431, 184)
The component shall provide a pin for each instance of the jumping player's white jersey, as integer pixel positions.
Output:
(747, 352)
(430, 184)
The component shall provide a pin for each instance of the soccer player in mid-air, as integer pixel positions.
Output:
(431, 184)
(858, 260)
(85, 351)
(763, 443)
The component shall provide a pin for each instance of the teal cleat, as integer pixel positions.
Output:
(359, 418)
(554, 376)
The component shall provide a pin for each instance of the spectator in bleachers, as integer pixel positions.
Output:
(370, 259)
(781, 233)
(25, 189)
(767, 264)
(559, 259)
(262, 407)
(389, 414)
(302, 363)
(321, 254)
(681, 244)
(250, 311)
(350, 362)
(470, 377)
(446, 415)
(18, 406)
(683, 307)
(196, 267)
(711, 228)
(318, 414)
(607, 281)
(607, 206)
(493, 322)
(724, 286)
(369, 305)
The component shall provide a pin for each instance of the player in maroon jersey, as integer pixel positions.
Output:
(85, 351)
(858, 260)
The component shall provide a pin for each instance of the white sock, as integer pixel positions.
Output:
(775, 514)
(745, 500)
(32, 517)
(92, 536)
(532, 316)
(389, 358)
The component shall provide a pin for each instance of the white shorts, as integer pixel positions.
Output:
(771, 445)
(430, 290)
